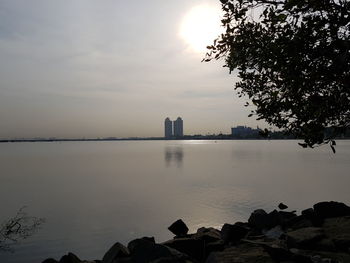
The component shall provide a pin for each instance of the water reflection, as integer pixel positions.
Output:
(173, 154)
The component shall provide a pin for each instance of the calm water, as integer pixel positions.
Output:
(93, 194)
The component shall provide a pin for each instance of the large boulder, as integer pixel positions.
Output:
(50, 260)
(304, 237)
(70, 258)
(338, 230)
(331, 209)
(233, 233)
(282, 206)
(195, 248)
(144, 250)
(208, 235)
(116, 253)
(179, 228)
(259, 219)
(247, 253)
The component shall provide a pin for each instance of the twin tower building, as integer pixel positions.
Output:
(173, 129)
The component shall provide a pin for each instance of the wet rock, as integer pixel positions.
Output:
(178, 228)
(282, 206)
(117, 251)
(331, 209)
(195, 248)
(247, 253)
(304, 237)
(70, 258)
(233, 233)
(146, 250)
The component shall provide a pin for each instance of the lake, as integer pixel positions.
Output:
(93, 194)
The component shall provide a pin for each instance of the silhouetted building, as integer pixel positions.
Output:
(168, 128)
(243, 131)
(178, 128)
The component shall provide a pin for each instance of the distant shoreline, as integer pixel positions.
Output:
(146, 139)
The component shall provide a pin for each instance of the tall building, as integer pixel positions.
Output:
(178, 128)
(168, 128)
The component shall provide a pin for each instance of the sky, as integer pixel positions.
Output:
(100, 68)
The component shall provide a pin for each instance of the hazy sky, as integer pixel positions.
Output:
(74, 68)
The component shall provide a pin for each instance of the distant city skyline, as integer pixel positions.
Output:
(88, 68)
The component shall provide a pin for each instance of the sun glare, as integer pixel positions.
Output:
(200, 26)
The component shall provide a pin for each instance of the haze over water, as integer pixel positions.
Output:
(93, 194)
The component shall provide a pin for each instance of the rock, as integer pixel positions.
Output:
(247, 253)
(275, 232)
(298, 222)
(178, 228)
(208, 234)
(259, 219)
(70, 258)
(50, 260)
(145, 250)
(282, 206)
(214, 247)
(195, 248)
(338, 230)
(324, 256)
(331, 209)
(116, 252)
(304, 237)
(311, 215)
(233, 233)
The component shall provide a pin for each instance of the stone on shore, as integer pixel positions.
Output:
(233, 233)
(331, 209)
(144, 250)
(195, 248)
(70, 258)
(282, 206)
(50, 260)
(247, 253)
(179, 228)
(304, 237)
(115, 254)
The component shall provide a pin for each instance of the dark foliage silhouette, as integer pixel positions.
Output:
(15, 229)
(293, 61)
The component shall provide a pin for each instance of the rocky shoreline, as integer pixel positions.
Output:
(318, 235)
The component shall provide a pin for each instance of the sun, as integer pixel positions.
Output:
(200, 26)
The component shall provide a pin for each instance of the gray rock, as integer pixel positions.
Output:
(331, 209)
(117, 251)
(178, 228)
